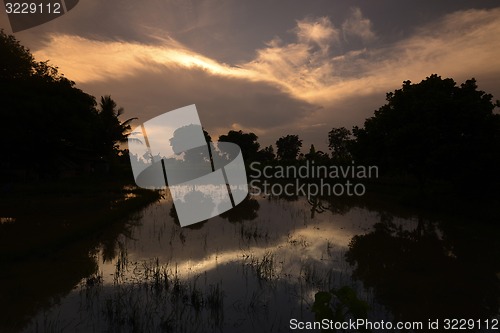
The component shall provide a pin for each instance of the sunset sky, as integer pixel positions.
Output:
(272, 67)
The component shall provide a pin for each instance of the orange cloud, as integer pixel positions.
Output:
(337, 88)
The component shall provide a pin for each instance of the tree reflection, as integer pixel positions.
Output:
(244, 211)
(203, 203)
(418, 274)
(335, 205)
(52, 245)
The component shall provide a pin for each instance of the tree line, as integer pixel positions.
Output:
(431, 130)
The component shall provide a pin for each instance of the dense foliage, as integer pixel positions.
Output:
(288, 147)
(433, 130)
(50, 126)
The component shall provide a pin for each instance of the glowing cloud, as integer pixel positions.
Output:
(336, 87)
(357, 25)
(104, 60)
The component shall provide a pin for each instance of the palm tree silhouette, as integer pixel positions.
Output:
(113, 131)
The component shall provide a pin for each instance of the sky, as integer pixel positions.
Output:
(273, 67)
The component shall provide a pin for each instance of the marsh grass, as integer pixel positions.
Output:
(250, 232)
(154, 298)
(265, 267)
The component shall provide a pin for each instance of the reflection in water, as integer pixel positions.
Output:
(245, 211)
(419, 274)
(48, 249)
(36, 285)
(254, 273)
(203, 203)
(7, 220)
(335, 205)
(173, 214)
(259, 265)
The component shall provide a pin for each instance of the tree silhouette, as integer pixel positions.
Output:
(433, 129)
(113, 131)
(288, 147)
(199, 155)
(16, 62)
(266, 154)
(246, 141)
(51, 125)
(339, 141)
(316, 156)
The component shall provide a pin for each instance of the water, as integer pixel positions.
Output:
(259, 266)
